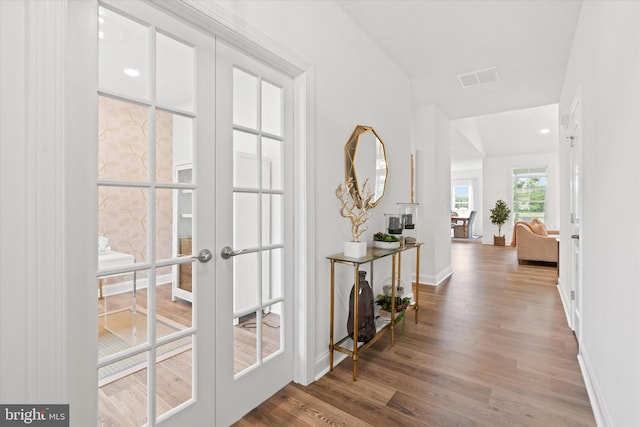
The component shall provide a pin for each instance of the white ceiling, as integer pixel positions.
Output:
(513, 132)
(433, 41)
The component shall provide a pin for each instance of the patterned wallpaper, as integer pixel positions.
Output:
(123, 155)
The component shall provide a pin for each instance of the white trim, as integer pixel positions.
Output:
(80, 236)
(566, 303)
(217, 21)
(304, 172)
(438, 279)
(13, 200)
(600, 412)
(45, 109)
(31, 253)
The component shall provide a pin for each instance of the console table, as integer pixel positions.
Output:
(349, 345)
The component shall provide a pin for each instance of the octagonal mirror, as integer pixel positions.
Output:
(366, 162)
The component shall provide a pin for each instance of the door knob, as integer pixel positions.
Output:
(575, 236)
(228, 252)
(203, 256)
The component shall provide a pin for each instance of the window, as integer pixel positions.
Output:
(530, 194)
(461, 203)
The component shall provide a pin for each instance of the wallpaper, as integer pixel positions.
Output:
(123, 155)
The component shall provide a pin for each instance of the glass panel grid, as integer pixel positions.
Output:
(123, 55)
(174, 374)
(122, 140)
(175, 73)
(139, 146)
(259, 218)
(124, 397)
(529, 194)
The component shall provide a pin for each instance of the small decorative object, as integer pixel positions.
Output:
(103, 244)
(384, 302)
(394, 223)
(385, 241)
(499, 215)
(357, 214)
(366, 320)
(409, 214)
(386, 289)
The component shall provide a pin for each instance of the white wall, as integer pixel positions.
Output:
(431, 131)
(497, 185)
(355, 83)
(605, 63)
(474, 178)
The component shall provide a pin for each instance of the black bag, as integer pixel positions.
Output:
(366, 322)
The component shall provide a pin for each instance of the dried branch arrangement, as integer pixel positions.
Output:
(350, 209)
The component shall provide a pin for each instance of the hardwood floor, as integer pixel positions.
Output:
(492, 349)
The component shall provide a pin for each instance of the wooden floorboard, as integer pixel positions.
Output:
(492, 349)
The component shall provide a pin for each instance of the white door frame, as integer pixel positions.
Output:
(79, 121)
(575, 263)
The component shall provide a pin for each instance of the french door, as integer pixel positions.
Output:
(575, 270)
(254, 280)
(194, 223)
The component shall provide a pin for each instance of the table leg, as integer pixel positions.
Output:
(332, 287)
(417, 292)
(356, 322)
(394, 284)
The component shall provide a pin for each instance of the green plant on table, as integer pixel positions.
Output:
(384, 301)
(382, 237)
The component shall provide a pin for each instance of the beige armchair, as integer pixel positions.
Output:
(536, 247)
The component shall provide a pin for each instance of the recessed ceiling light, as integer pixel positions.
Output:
(544, 131)
(101, 34)
(131, 72)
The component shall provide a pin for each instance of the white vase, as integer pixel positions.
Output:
(355, 249)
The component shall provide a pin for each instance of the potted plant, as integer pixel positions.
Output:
(499, 215)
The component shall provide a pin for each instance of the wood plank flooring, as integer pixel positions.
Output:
(492, 349)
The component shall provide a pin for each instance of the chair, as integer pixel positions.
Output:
(459, 229)
(535, 247)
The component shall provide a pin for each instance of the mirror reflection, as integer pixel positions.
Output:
(366, 164)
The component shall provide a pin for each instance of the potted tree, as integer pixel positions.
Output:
(499, 215)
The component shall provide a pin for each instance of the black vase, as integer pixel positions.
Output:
(366, 321)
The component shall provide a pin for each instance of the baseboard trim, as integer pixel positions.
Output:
(566, 304)
(438, 279)
(322, 363)
(600, 412)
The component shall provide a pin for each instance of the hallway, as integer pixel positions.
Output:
(492, 349)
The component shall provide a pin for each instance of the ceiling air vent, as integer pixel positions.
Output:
(478, 77)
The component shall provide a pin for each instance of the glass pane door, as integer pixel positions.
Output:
(254, 327)
(148, 210)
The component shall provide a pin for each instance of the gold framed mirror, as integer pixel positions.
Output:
(366, 162)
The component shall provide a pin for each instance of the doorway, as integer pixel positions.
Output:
(195, 201)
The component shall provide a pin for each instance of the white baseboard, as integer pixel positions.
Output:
(600, 412)
(431, 280)
(322, 363)
(566, 304)
(122, 287)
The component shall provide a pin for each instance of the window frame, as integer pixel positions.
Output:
(462, 183)
(532, 172)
